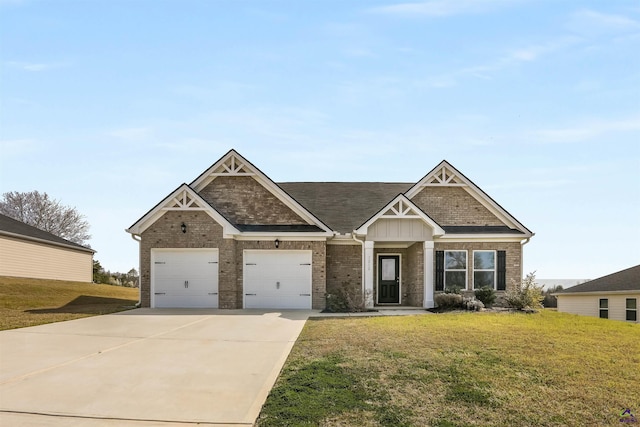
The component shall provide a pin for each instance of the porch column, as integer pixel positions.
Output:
(368, 273)
(428, 275)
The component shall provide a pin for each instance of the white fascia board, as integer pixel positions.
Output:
(205, 178)
(161, 208)
(437, 230)
(481, 238)
(474, 191)
(293, 237)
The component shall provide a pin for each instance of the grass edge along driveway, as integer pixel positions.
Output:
(464, 369)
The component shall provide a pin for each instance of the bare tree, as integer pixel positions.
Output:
(39, 210)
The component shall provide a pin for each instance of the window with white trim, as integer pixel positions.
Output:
(632, 309)
(455, 270)
(484, 269)
(604, 308)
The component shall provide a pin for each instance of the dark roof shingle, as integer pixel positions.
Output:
(344, 206)
(15, 228)
(625, 280)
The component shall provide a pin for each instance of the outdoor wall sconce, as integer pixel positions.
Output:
(277, 242)
(183, 227)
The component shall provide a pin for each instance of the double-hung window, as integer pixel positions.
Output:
(604, 308)
(455, 270)
(484, 269)
(632, 309)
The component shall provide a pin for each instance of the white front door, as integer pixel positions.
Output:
(277, 279)
(184, 278)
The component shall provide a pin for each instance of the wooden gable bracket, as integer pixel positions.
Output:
(184, 201)
(400, 210)
(232, 166)
(444, 177)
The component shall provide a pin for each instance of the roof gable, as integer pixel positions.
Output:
(11, 227)
(624, 280)
(401, 208)
(233, 164)
(445, 175)
(183, 198)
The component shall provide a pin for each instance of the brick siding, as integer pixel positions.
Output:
(453, 206)
(344, 268)
(243, 200)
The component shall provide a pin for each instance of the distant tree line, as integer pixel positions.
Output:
(128, 280)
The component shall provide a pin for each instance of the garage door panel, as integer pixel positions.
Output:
(185, 278)
(277, 279)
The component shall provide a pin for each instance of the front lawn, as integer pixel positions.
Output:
(463, 369)
(30, 302)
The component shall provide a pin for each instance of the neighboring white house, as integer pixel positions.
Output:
(615, 296)
(27, 251)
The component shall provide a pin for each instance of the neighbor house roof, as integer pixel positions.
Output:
(625, 280)
(344, 206)
(13, 228)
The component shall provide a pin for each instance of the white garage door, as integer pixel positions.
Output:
(184, 278)
(277, 279)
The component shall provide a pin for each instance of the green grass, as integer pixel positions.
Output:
(465, 369)
(30, 302)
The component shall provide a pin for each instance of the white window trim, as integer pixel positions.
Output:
(466, 268)
(494, 270)
(627, 310)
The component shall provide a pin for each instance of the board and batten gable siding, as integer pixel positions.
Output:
(589, 304)
(23, 258)
(399, 230)
(453, 206)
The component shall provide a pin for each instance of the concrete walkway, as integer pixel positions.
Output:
(144, 368)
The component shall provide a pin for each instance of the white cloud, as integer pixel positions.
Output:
(591, 23)
(587, 131)
(441, 7)
(34, 66)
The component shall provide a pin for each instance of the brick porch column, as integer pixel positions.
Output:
(368, 273)
(428, 274)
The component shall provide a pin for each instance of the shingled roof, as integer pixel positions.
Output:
(625, 280)
(13, 228)
(344, 206)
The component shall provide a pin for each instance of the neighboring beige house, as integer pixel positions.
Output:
(26, 251)
(233, 238)
(615, 296)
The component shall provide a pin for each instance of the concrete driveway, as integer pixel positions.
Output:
(145, 368)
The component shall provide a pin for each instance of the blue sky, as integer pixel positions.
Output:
(109, 105)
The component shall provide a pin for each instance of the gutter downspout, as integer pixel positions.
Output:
(353, 236)
(139, 240)
(522, 243)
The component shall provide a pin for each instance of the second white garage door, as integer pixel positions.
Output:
(277, 279)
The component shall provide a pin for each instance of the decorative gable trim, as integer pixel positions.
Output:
(184, 198)
(233, 164)
(400, 208)
(444, 174)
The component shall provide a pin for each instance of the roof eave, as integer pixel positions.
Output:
(47, 242)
